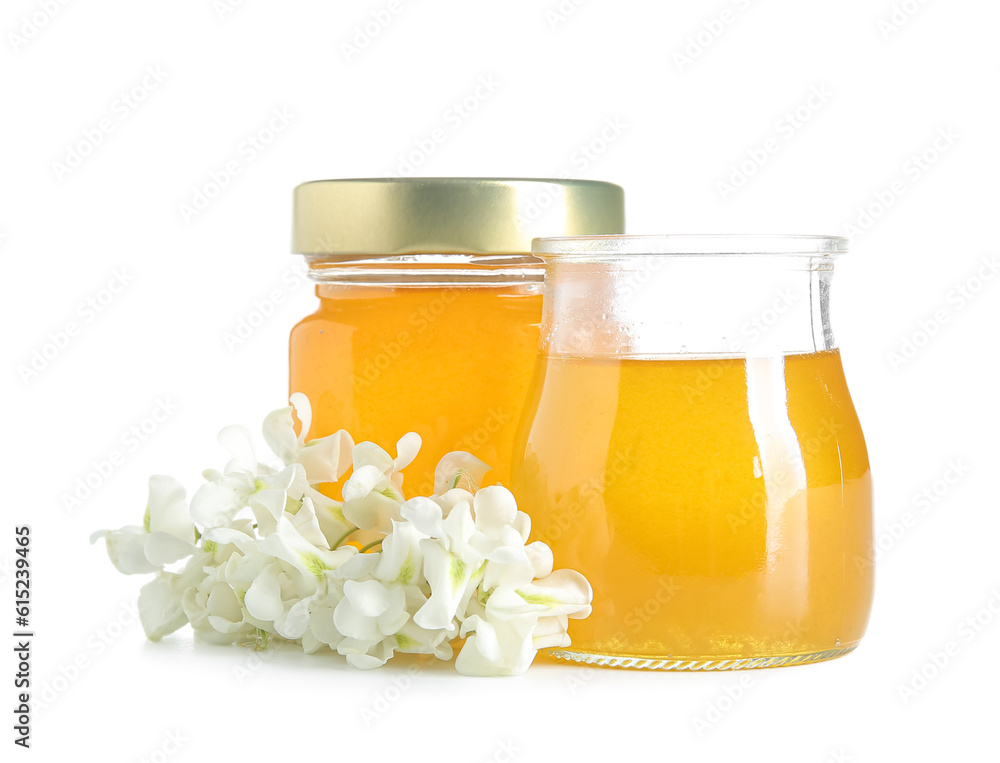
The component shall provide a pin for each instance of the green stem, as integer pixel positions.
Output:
(343, 537)
(370, 545)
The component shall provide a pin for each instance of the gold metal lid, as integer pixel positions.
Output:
(448, 215)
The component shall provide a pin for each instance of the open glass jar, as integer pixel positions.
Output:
(429, 306)
(691, 447)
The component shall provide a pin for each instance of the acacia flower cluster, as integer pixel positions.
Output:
(260, 553)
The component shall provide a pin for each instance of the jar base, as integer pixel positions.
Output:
(700, 663)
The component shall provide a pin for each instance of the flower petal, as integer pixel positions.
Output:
(564, 592)
(540, 556)
(551, 632)
(456, 464)
(162, 548)
(495, 509)
(326, 458)
(279, 434)
(168, 509)
(424, 515)
(371, 512)
(215, 503)
(263, 598)
(296, 621)
(448, 575)
(160, 609)
(497, 648)
(370, 454)
(127, 549)
(406, 450)
(369, 597)
(355, 625)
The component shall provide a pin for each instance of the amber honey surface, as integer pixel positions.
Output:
(451, 363)
(720, 507)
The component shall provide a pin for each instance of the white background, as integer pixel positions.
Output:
(559, 79)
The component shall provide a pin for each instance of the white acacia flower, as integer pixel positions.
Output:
(167, 533)
(400, 559)
(244, 483)
(369, 612)
(515, 622)
(325, 459)
(215, 609)
(374, 491)
(452, 566)
(412, 639)
(496, 646)
(279, 576)
(329, 516)
(321, 630)
(272, 559)
(161, 607)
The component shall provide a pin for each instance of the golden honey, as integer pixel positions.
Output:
(712, 527)
(450, 363)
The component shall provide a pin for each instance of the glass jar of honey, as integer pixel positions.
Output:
(690, 445)
(429, 306)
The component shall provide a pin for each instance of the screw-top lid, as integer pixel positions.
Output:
(448, 215)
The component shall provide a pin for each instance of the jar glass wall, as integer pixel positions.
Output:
(690, 445)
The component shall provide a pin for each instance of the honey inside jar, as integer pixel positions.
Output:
(450, 363)
(712, 523)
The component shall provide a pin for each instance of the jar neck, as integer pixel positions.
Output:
(652, 305)
(465, 270)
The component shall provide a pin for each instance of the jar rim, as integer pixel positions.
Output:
(707, 244)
